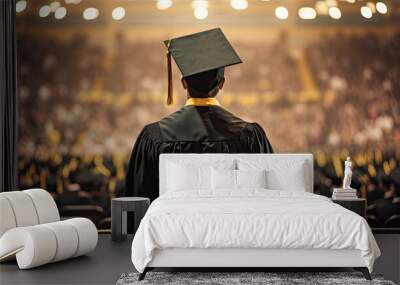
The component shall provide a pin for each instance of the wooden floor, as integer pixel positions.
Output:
(103, 266)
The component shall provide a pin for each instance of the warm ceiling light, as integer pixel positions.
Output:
(239, 4)
(366, 12)
(371, 6)
(76, 2)
(44, 11)
(20, 6)
(307, 13)
(199, 4)
(118, 13)
(381, 7)
(331, 3)
(335, 13)
(90, 13)
(164, 4)
(281, 13)
(60, 13)
(54, 5)
(321, 7)
(201, 13)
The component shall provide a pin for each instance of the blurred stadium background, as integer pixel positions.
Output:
(319, 76)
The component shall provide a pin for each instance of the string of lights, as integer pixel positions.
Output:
(200, 8)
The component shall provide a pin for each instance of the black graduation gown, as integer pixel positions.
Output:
(192, 129)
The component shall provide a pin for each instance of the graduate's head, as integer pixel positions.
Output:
(205, 84)
(201, 58)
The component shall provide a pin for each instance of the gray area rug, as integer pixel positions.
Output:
(231, 278)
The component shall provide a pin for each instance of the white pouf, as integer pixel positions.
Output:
(22, 207)
(41, 244)
(87, 233)
(67, 239)
(45, 206)
(31, 230)
(34, 246)
(7, 219)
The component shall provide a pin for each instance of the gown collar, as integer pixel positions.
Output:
(202, 102)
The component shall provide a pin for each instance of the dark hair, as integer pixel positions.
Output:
(196, 94)
(205, 84)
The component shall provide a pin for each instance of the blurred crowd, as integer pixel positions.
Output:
(82, 105)
(363, 74)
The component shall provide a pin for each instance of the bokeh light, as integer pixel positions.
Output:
(239, 4)
(281, 13)
(201, 13)
(307, 13)
(381, 8)
(331, 3)
(60, 13)
(335, 13)
(44, 11)
(371, 5)
(20, 6)
(163, 4)
(118, 13)
(321, 7)
(54, 5)
(366, 12)
(76, 2)
(199, 3)
(90, 13)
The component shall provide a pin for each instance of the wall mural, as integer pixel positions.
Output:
(82, 103)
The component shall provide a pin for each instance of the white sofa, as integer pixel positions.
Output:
(31, 230)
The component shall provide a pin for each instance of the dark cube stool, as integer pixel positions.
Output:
(119, 209)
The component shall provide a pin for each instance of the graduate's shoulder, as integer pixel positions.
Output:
(151, 131)
(256, 131)
(247, 125)
(230, 116)
(176, 115)
(253, 128)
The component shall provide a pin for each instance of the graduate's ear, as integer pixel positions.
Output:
(221, 83)
(184, 83)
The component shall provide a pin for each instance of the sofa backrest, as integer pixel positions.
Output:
(208, 159)
(26, 208)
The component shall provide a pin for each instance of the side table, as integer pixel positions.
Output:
(119, 209)
(357, 205)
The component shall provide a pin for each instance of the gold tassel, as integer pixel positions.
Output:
(170, 98)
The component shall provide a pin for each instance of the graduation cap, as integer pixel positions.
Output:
(198, 53)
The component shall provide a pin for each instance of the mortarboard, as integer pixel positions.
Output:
(199, 52)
